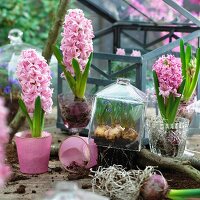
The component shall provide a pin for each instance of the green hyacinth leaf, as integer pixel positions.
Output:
(176, 103)
(196, 75)
(182, 55)
(24, 110)
(69, 78)
(37, 118)
(85, 76)
(160, 99)
(188, 55)
(78, 75)
(57, 54)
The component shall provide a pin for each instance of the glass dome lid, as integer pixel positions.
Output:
(122, 90)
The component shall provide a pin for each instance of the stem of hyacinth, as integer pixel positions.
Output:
(36, 124)
(84, 77)
(183, 193)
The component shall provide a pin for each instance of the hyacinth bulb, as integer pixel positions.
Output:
(155, 188)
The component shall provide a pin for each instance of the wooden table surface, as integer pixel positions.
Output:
(37, 185)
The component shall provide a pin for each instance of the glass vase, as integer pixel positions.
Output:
(165, 139)
(75, 113)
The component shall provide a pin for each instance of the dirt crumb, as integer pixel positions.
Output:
(21, 189)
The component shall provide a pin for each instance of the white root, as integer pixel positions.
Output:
(118, 183)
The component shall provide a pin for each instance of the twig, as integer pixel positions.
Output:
(53, 32)
(146, 158)
(192, 160)
(19, 118)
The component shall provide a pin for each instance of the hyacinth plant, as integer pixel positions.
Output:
(77, 48)
(190, 70)
(34, 77)
(5, 170)
(169, 86)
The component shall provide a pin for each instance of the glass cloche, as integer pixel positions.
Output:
(118, 116)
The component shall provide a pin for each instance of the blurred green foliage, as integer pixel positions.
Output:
(33, 17)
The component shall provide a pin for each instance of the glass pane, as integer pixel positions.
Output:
(145, 10)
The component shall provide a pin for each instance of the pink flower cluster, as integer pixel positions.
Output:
(122, 52)
(77, 39)
(34, 77)
(168, 70)
(136, 53)
(156, 13)
(195, 1)
(5, 170)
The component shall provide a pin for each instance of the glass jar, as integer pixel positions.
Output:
(75, 113)
(167, 139)
(118, 116)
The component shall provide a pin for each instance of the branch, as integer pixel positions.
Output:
(147, 158)
(53, 33)
(47, 53)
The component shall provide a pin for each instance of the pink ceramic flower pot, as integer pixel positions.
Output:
(93, 152)
(33, 153)
(76, 149)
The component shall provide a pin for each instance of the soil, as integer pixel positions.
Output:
(28, 187)
(175, 180)
(76, 114)
(179, 181)
(77, 172)
(21, 189)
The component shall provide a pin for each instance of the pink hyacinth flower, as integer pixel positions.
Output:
(136, 53)
(168, 70)
(76, 39)
(34, 77)
(120, 52)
